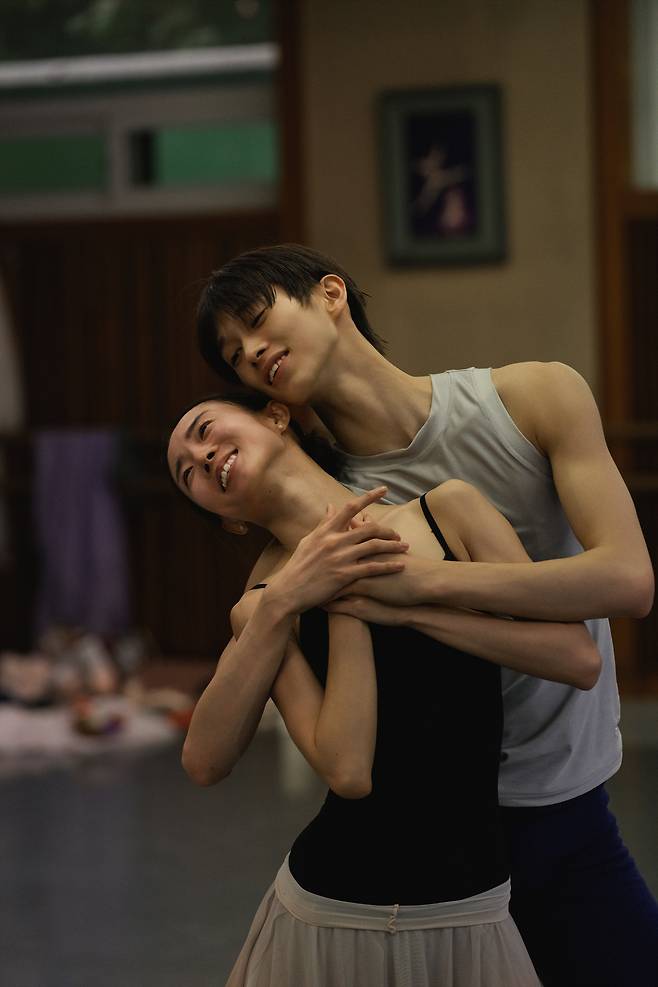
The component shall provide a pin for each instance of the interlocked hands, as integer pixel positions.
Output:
(340, 550)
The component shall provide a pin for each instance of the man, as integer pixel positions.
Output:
(290, 323)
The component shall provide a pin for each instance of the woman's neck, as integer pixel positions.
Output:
(296, 500)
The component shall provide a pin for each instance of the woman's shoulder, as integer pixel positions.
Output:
(452, 497)
(453, 506)
(273, 557)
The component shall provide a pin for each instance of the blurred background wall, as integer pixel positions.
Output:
(143, 143)
(538, 304)
(218, 127)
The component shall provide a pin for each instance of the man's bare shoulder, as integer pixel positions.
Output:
(529, 373)
(528, 392)
(273, 557)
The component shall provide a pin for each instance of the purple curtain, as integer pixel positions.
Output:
(80, 532)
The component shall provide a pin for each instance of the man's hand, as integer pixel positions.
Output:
(336, 553)
(369, 610)
(401, 589)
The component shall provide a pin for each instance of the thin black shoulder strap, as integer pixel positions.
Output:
(258, 586)
(429, 517)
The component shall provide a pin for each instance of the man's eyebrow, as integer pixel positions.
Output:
(257, 316)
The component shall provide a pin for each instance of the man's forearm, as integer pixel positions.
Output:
(561, 652)
(592, 584)
(228, 713)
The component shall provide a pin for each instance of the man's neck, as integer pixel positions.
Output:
(369, 405)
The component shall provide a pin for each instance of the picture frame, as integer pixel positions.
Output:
(442, 175)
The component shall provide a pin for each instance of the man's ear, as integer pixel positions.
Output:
(234, 527)
(334, 293)
(278, 414)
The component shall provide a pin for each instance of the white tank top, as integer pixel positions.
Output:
(558, 741)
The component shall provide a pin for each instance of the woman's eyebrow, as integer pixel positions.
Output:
(190, 427)
(188, 432)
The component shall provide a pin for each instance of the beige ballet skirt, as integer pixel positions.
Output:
(300, 939)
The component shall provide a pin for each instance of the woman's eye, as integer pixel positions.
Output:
(186, 476)
(202, 429)
(235, 358)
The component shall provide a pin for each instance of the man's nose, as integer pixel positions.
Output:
(255, 352)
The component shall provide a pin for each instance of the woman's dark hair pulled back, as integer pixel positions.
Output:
(316, 446)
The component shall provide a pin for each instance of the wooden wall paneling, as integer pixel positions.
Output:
(609, 56)
(290, 95)
(628, 304)
(611, 89)
(642, 252)
(105, 312)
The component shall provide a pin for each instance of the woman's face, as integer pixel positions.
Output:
(219, 454)
(281, 351)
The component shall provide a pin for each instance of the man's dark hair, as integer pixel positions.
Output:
(250, 280)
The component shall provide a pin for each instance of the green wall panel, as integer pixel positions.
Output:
(51, 164)
(218, 154)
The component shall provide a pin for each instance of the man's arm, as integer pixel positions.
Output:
(560, 652)
(553, 406)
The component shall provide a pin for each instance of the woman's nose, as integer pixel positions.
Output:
(210, 455)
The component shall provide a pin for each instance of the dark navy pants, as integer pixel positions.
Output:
(581, 905)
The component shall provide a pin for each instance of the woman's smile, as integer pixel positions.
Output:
(225, 470)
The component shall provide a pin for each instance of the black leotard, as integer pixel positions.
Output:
(429, 831)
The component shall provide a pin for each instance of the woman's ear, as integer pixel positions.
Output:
(234, 527)
(278, 414)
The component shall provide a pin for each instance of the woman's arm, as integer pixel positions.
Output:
(561, 652)
(335, 728)
(328, 558)
(227, 715)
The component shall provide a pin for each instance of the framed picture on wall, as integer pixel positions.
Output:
(441, 160)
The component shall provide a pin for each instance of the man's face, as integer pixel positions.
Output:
(281, 351)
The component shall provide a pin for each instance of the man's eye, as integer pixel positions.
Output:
(235, 358)
(186, 476)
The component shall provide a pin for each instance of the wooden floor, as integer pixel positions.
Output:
(121, 873)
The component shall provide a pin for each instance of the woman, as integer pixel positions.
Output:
(401, 879)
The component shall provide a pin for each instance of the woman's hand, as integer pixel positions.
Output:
(340, 550)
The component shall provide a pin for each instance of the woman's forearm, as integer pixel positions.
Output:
(559, 652)
(228, 713)
(346, 728)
